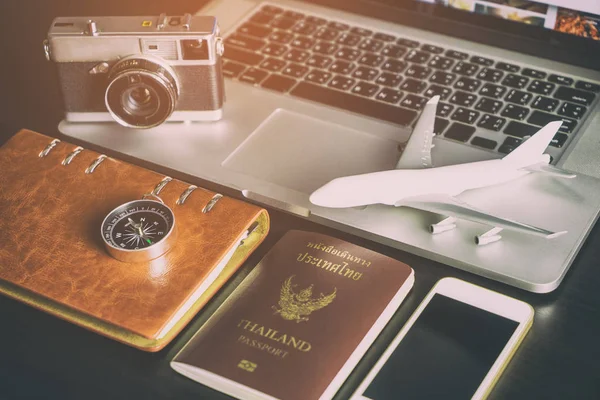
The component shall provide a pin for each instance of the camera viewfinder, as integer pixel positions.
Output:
(194, 49)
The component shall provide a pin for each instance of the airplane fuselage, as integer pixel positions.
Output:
(390, 187)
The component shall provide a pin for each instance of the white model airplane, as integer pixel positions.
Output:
(417, 184)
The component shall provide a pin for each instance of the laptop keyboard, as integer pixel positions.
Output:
(487, 103)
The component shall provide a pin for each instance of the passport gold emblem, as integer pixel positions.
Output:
(297, 306)
(247, 365)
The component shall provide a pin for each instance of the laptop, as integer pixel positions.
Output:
(321, 89)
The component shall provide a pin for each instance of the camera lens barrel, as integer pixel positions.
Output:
(141, 92)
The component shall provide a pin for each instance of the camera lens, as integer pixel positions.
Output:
(141, 92)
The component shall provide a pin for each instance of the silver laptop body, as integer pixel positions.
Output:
(275, 149)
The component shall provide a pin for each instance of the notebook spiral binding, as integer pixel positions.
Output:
(155, 192)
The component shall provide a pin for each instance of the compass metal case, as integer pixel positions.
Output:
(138, 231)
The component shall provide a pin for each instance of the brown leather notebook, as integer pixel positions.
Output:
(299, 322)
(54, 197)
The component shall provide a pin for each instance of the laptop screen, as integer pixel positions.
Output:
(575, 17)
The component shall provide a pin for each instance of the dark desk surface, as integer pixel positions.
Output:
(44, 357)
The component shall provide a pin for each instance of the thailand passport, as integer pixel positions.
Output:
(299, 322)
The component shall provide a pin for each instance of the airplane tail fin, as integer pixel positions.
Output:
(417, 153)
(530, 151)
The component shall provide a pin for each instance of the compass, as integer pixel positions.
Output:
(140, 230)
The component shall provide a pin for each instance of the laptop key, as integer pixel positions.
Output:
(370, 59)
(361, 105)
(541, 118)
(318, 76)
(491, 122)
(341, 82)
(315, 20)
(296, 55)
(465, 115)
(293, 15)
(368, 74)
(574, 95)
(327, 34)
(388, 95)
(242, 56)
(541, 87)
(545, 103)
(255, 30)
(281, 37)
(342, 67)
(490, 75)
(439, 62)
(515, 81)
(295, 70)
(416, 56)
(436, 90)
(413, 101)
(319, 61)
(325, 48)
(464, 68)
(245, 42)
(561, 80)
(261, 18)
(371, 45)
(493, 91)
(408, 42)
(384, 36)
(347, 54)
(283, 23)
(467, 84)
(509, 145)
(592, 87)
(482, 61)
(440, 125)
(463, 98)
(302, 42)
(394, 65)
(273, 64)
(484, 143)
(413, 86)
(460, 132)
(559, 140)
(457, 55)
(274, 49)
(338, 26)
(520, 130)
(507, 67)
(278, 83)
(444, 109)
(232, 70)
(253, 76)
(572, 110)
(388, 79)
(361, 31)
(489, 105)
(394, 51)
(365, 89)
(432, 49)
(348, 39)
(442, 78)
(534, 73)
(418, 72)
(514, 112)
(518, 97)
(304, 28)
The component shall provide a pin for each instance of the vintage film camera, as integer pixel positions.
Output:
(139, 71)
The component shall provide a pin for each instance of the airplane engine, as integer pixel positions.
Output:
(488, 237)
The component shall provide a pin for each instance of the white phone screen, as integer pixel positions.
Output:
(446, 354)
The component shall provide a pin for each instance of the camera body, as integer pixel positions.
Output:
(139, 71)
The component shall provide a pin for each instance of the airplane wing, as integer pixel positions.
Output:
(417, 152)
(453, 207)
(550, 170)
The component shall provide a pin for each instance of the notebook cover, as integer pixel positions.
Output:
(299, 322)
(52, 255)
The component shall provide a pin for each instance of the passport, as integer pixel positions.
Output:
(299, 322)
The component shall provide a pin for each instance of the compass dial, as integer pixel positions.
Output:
(138, 227)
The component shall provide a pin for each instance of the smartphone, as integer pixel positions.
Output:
(454, 346)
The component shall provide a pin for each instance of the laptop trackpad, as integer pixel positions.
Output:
(303, 153)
